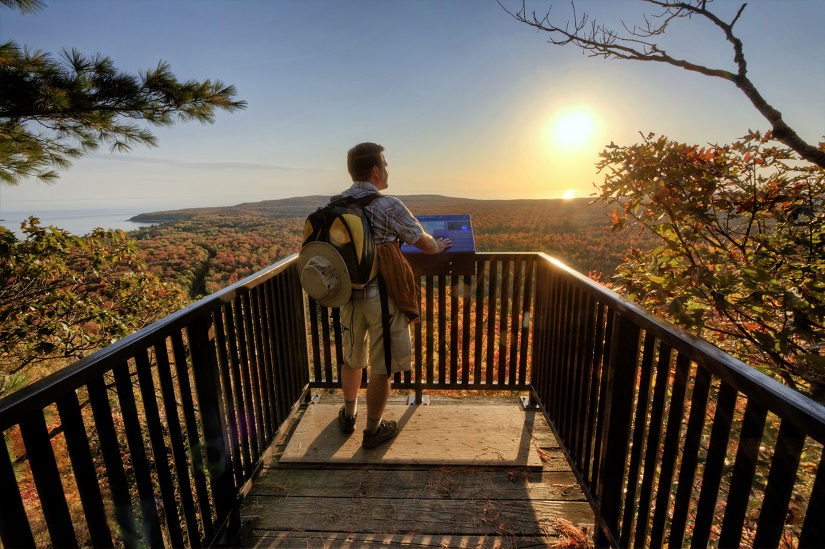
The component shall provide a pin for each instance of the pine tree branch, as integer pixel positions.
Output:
(81, 102)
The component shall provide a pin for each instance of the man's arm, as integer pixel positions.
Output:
(430, 245)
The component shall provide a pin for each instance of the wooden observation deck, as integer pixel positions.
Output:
(180, 434)
(469, 472)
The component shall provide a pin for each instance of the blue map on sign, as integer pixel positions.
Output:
(457, 228)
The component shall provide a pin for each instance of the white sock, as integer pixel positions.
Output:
(351, 407)
(372, 424)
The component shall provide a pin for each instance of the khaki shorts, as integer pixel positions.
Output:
(362, 336)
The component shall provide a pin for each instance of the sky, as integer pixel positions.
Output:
(467, 101)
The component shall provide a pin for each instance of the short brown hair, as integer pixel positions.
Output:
(362, 158)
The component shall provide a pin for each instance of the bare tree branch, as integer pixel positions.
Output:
(639, 44)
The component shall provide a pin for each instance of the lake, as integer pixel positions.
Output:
(79, 221)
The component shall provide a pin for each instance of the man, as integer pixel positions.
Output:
(361, 316)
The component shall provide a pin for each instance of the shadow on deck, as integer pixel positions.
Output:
(469, 472)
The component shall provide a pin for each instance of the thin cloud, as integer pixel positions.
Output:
(205, 164)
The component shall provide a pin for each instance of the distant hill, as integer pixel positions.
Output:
(420, 204)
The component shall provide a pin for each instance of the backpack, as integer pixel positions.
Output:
(344, 225)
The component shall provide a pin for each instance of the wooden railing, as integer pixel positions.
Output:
(671, 438)
(474, 333)
(678, 443)
(152, 440)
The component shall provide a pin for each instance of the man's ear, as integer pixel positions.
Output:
(375, 174)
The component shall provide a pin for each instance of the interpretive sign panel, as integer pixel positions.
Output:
(458, 259)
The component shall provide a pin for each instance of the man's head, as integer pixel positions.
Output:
(365, 162)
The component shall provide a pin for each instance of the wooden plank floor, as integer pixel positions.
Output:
(504, 437)
(492, 475)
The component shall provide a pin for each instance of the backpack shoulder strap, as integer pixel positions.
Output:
(344, 201)
(367, 199)
(363, 202)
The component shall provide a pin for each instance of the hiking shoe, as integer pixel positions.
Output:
(346, 422)
(386, 431)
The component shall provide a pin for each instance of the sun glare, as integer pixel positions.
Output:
(573, 128)
(569, 193)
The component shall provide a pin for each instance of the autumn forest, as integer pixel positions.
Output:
(206, 249)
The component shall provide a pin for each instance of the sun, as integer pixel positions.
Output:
(573, 129)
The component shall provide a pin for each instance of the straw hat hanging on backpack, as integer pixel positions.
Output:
(324, 274)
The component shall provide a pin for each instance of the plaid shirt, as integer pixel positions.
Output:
(389, 217)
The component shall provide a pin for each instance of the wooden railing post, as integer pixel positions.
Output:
(621, 377)
(14, 524)
(207, 385)
(47, 479)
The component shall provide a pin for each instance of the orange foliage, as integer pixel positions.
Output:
(205, 250)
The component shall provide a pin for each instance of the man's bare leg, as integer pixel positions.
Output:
(378, 391)
(350, 383)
